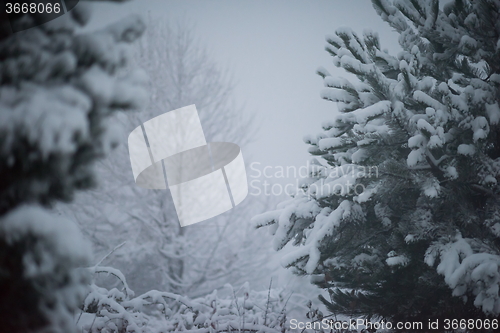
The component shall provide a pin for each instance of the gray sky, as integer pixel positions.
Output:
(272, 48)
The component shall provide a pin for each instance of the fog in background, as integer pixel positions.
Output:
(272, 50)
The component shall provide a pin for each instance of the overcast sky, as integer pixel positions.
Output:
(272, 48)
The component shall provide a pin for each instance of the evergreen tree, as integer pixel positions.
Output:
(400, 215)
(58, 87)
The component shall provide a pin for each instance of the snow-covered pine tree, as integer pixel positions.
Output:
(400, 215)
(58, 87)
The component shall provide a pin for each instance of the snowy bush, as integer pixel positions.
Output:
(402, 199)
(241, 310)
(58, 87)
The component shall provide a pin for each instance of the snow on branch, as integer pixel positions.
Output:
(156, 311)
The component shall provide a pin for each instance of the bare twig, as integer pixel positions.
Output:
(268, 297)
(110, 253)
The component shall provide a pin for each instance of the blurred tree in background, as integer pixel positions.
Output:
(158, 253)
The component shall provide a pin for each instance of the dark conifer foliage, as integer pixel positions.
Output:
(58, 87)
